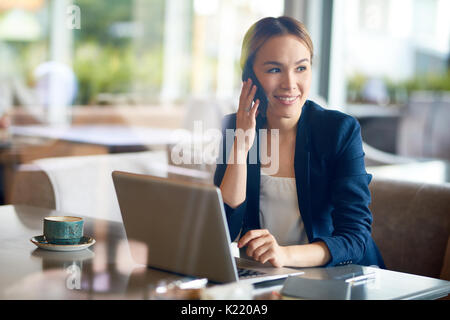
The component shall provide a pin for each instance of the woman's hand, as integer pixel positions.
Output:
(234, 182)
(262, 246)
(246, 116)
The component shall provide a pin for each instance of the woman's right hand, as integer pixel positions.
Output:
(234, 182)
(246, 116)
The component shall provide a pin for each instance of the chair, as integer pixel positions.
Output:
(423, 131)
(411, 226)
(439, 144)
(81, 184)
(375, 157)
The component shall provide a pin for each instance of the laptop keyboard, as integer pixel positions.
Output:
(247, 273)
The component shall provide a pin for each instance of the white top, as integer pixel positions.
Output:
(278, 210)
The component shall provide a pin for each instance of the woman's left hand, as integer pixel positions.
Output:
(262, 246)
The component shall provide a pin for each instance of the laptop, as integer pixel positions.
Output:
(180, 226)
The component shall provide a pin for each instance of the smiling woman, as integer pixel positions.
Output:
(314, 210)
(285, 76)
(273, 31)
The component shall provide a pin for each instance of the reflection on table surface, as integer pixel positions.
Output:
(107, 271)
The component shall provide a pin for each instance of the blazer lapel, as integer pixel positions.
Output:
(251, 221)
(302, 171)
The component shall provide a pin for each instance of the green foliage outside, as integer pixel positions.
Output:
(107, 69)
(434, 82)
(106, 63)
(399, 90)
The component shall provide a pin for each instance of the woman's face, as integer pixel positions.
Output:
(283, 67)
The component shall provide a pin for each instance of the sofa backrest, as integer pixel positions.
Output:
(411, 226)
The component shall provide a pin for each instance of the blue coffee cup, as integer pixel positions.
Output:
(63, 229)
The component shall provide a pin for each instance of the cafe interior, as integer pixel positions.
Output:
(90, 87)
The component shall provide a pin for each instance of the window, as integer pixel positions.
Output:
(134, 52)
(397, 48)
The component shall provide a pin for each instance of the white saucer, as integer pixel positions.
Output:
(85, 242)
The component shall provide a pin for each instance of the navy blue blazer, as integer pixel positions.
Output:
(332, 185)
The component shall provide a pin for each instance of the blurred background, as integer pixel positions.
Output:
(83, 78)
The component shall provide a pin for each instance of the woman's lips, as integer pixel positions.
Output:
(287, 100)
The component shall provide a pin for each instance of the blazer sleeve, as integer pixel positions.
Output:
(350, 198)
(235, 216)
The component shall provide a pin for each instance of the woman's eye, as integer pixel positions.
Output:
(301, 68)
(273, 70)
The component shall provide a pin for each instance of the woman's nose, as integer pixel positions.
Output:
(288, 81)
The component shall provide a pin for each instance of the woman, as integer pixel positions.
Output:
(313, 211)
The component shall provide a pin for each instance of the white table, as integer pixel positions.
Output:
(105, 135)
(106, 270)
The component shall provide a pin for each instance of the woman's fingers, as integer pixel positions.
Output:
(245, 91)
(270, 255)
(250, 98)
(254, 109)
(254, 244)
(247, 95)
(246, 114)
(263, 247)
(261, 250)
(250, 235)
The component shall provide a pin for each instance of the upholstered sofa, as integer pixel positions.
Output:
(411, 226)
(411, 220)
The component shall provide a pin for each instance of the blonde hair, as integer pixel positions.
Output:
(267, 28)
